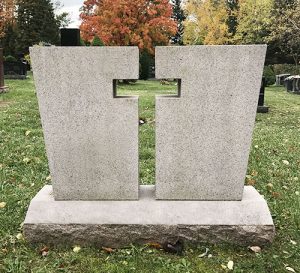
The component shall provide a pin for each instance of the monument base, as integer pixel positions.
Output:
(119, 223)
(3, 89)
(262, 109)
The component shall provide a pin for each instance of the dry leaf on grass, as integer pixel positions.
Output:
(230, 265)
(76, 249)
(204, 254)
(19, 236)
(255, 249)
(108, 249)
(275, 194)
(290, 269)
(155, 245)
(26, 160)
(251, 182)
(285, 162)
(44, 251)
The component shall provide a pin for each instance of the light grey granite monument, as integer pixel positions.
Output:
(203, 139)
(91, 137)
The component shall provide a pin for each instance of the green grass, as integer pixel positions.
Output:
(24, 171)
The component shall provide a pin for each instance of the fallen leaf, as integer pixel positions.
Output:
(19, 236)
(44, 251)
(251, 182)
(27, 133)
(270, 185)
(155, 245)
(26, 160)
(254, 173)
(48, 178)
(275, 194)
(108, 249)
(285, 162)
(76, 249)
(2, 205)
(204, 253)
(290, 269)
(255, 249)
(223, 266)
(230, 265)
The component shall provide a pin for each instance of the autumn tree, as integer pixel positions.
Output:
(179, 17)
(7, 8)
(206, 23)
(143, 23)
(36, 23)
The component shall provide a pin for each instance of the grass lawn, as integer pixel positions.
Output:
(273, 169)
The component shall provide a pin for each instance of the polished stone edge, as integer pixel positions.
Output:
(120, 223)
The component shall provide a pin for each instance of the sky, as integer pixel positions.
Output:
(72, 7)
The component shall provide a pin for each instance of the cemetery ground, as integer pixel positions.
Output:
(273, 170)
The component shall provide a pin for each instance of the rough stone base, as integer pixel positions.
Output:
(15, 77)
(4, 89)
(263, 109)
(120, 223)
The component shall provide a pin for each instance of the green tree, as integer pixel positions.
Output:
(63, 19)
(36, 23)
(286, 30)
(232, 20)
(254, 21)
(8, 42)
(179, 17)
(97, 41)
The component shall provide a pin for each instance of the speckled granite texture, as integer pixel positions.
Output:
(91, 137)
(203, 138)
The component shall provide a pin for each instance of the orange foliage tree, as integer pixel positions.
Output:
(7, 8)
(143, 23)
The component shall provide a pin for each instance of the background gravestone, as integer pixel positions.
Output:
(261, 107)
(3, 88)
(203, 137)
(91, 137)
(70, 37)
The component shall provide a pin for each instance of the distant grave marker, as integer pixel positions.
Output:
(70, 37)
(3, 88)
